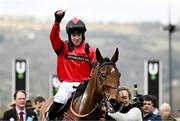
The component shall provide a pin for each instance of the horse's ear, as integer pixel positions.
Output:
(115, 56)
(99, 56)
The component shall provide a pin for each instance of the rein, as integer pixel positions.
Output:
(82, 115)
(98, 104)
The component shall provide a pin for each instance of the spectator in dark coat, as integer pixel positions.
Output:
(147, 108)
(19, 112)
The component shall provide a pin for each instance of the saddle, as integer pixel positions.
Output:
(80, 90)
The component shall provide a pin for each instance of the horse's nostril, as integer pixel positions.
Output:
(113, 101)
(115, 105)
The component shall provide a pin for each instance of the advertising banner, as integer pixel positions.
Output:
(153, 81)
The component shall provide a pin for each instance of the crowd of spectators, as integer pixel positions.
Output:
(147, 105)
(145, 108)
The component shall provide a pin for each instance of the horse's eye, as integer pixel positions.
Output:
(103, 76)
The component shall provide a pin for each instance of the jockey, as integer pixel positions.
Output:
(75, 60)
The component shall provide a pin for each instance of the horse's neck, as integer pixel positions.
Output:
(89, 98)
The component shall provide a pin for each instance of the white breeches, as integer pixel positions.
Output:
(65, 91)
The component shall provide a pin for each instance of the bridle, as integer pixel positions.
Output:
(105, 97)
(102, 78)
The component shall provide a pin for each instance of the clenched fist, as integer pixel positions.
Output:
(59, 14)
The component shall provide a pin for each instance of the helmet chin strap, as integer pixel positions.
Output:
(70, 44)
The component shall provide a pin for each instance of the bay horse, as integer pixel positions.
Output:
(101, 94)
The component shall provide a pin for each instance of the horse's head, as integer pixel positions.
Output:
(108, 79)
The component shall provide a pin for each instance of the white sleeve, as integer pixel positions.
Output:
(133, 115)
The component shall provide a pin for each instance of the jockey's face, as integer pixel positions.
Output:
(20, 100)
(125, 97)
(76, 38)
(147, 106)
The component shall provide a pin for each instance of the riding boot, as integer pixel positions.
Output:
(53, 110)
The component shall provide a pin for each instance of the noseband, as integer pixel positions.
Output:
(105, 97)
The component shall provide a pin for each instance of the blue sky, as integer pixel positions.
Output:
(95, 10)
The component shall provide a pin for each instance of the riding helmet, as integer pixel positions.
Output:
(75, 25)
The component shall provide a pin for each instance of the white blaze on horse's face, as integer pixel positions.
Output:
(112, 70)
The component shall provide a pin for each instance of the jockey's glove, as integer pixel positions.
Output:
(59, 14)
